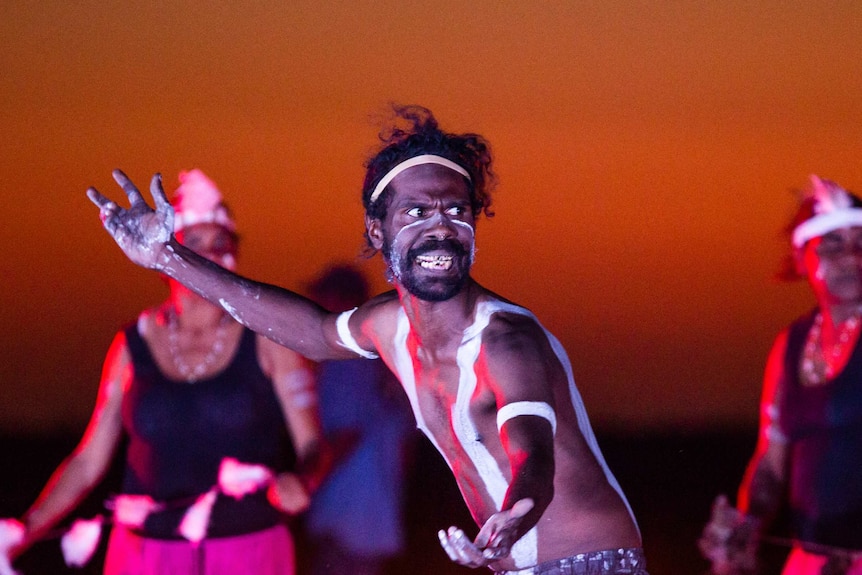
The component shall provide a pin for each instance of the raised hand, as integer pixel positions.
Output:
(494, 541)
(141, 232)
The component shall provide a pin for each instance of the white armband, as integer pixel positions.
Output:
(347, 338)
(538, 408)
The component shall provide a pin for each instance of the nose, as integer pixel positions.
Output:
(441, 227)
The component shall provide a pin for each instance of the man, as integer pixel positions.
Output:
(489, 386)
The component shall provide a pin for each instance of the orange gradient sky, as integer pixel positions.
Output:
(645, 151)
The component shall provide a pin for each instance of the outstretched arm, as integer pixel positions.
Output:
(146, 236)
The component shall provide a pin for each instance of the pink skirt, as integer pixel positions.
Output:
(267, 552)
(800, 562)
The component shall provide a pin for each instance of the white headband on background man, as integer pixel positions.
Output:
(199, 201)
(415, 161)
(833, 210)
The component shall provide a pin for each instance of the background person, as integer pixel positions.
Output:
(809, 451)
(356, 518)
(188, 387)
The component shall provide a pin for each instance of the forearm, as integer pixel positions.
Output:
(72, 481)
(534, 480)
(761, 493)
(276, 313)
(314, 465)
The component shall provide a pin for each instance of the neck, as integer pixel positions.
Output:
(191, 310)
(835, 314)
(435, 322)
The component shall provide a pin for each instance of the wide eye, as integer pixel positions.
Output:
(455, 211)
(416, 212)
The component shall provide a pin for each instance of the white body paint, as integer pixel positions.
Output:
(343, 327)
(525, 550)
(394, 256)
(537, 408)
(230, 310)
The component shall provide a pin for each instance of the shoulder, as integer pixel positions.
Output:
(513, 333)
(375, 319)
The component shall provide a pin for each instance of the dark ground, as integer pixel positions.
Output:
(669, 478)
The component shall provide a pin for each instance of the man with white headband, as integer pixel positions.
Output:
(809, 451)
(489, 386)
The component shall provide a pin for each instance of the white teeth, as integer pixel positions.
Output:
(434, 262)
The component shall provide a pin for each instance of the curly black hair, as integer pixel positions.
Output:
(422, 135)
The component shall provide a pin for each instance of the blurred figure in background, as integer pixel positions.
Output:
(355, 523)
(809, 452)
(189, 387)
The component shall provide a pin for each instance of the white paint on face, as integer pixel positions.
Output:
(396, 260)
(472, 239)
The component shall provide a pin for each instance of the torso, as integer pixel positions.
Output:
(180, 431)
(823, 424)
(456, 406)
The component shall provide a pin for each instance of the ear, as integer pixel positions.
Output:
(374, 228)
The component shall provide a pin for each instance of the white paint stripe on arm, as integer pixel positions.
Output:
(346, 337)
(517, 408)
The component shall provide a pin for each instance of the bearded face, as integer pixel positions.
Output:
(427, 237)
(433, 270)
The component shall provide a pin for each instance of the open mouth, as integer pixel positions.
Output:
(442, 263)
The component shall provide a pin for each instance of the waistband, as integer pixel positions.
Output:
(628, 561)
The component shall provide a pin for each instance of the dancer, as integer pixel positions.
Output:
(190, 387)
(809, 449)
(491, 388)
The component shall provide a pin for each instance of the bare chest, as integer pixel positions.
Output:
(454, 403)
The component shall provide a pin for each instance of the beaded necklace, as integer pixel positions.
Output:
(191, 373)
(819, 364)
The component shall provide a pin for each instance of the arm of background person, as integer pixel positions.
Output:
(294, 384)
(763, 486)
(86, 465)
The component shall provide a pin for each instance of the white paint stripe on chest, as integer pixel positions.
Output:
(525, 550)
(403, 365)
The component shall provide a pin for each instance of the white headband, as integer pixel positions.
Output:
(825, 223)
(833, 208)
(199, 201)
(415, 161)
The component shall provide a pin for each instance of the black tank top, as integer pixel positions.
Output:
(824, 426)
(179, 432)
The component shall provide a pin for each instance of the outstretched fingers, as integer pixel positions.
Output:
(135, 197)
(460, 549)
(158, 192)
(141, 232)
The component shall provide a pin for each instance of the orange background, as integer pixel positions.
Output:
(645, 150)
